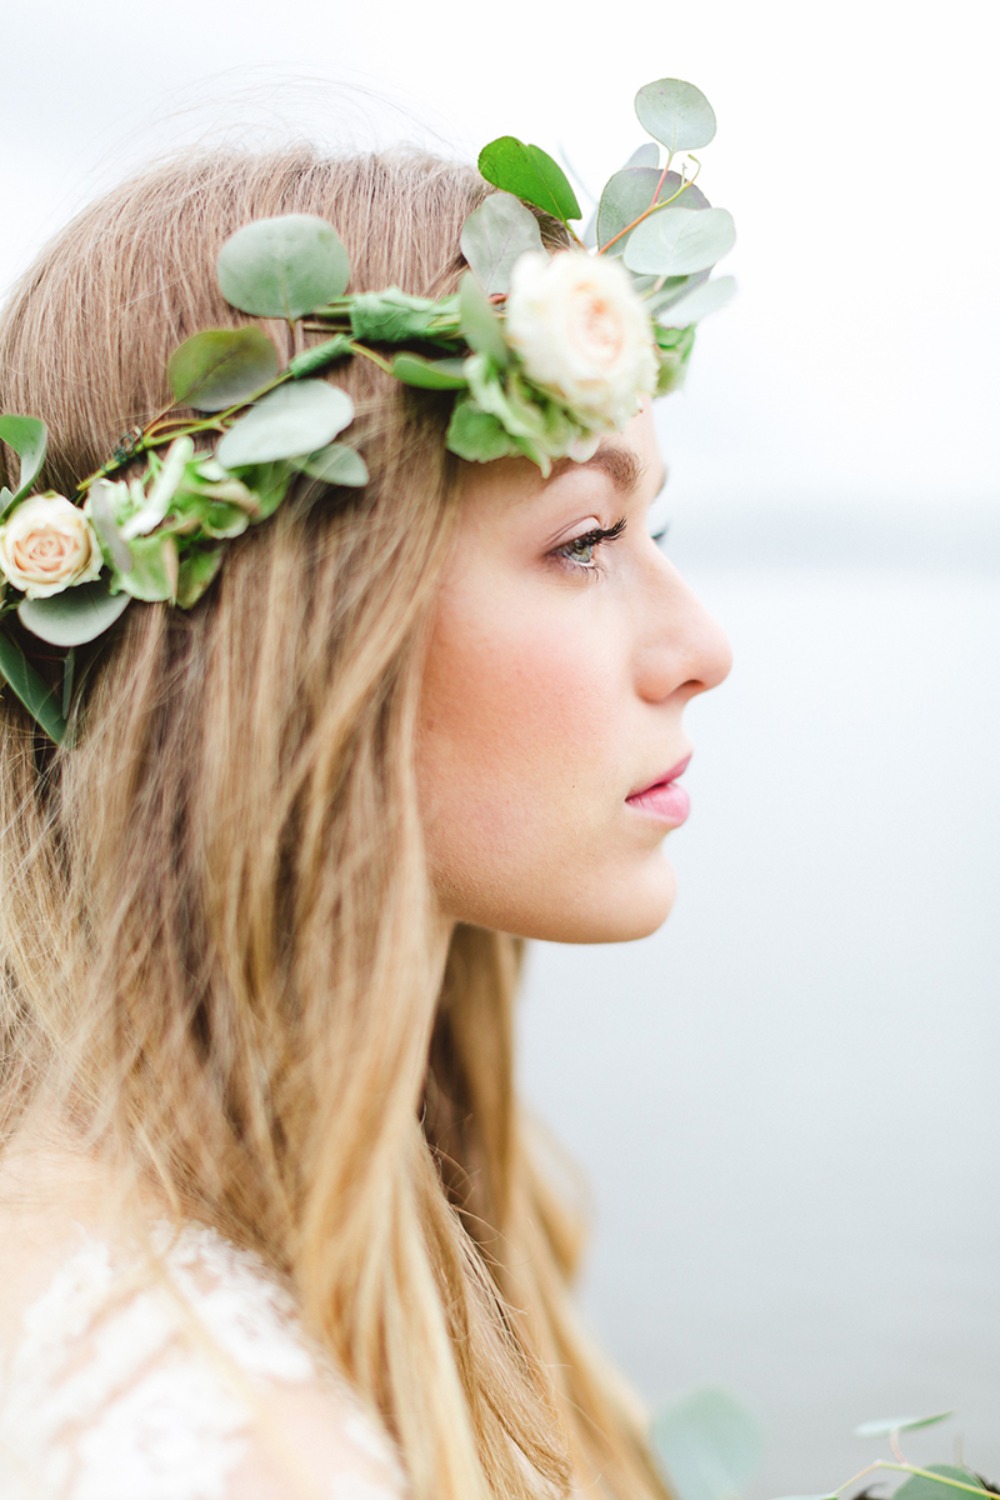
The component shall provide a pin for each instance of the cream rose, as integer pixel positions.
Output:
(582, 333)
(47, 545)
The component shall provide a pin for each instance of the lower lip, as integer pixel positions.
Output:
(668, 802)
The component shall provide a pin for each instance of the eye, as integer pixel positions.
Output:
(581, 551)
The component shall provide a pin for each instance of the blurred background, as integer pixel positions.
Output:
(786, 1101)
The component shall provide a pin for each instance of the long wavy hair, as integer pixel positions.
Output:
(217, 960)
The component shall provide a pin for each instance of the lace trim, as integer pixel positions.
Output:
(108, 1396)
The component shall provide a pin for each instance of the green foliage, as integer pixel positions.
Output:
(338, 463)
(283, 267)
(320, 357)
(29, 686)
(477, 435)
(709, 1444)
(886, 1426)
(531, 175)
(395, 317)
(29, 438)
(675, 113)
(153, 575)
(221, 367)
(479, 322)
(429, 374)
(922, 1487)
(675, 242)
(290, 421)
(196, 572)
(493, 237)
(75, 615)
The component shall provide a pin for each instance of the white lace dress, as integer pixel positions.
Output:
(121, 1387)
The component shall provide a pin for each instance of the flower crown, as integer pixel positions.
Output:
(541, 353)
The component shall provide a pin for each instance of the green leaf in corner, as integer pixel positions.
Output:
(942, 1487)
(221, 367)
(28, 437)
(283, 267)
(530, 174)
(74, 616)
(710, 1445)
(493, 237)
(338, 463)
(675, 113)
(429, 374)
(26, 684)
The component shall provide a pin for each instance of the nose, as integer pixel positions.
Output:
(684, 650)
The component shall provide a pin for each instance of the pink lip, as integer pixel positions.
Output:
(664, 798)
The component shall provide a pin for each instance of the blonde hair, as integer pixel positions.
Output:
(216, 947)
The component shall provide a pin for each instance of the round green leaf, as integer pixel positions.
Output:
(429, 374)
(710, 1444)
(646, 155)
(283, 267)
(629, 193)
(338, 463)
(675, 242)
(886, 1426)
(675, 113)
(28, 437)
(290, 421)
(221, 367)
(529, 173)
(493, 237)
(75, 616)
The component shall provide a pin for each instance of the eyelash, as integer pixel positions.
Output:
(590, 540)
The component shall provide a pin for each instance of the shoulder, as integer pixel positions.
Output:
(188, 1380)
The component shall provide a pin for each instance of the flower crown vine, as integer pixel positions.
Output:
(541, 353)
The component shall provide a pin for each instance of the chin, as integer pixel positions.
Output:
(622, 912)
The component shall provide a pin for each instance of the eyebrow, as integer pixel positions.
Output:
(621, 465)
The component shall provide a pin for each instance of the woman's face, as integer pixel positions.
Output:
(559, 668)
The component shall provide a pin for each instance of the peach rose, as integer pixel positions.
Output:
(46, 545)
(582, 333)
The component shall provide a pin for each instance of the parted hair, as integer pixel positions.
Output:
(217, 955)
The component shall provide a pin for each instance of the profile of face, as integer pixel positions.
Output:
(563, 652)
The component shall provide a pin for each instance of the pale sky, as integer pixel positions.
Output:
(856, 149)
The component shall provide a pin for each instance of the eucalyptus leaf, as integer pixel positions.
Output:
(478, 435)
(480, 323)
(646, 155)
(675, 113)
(493, 237)
(154, 574)
(675, 242)
(529, 173)
(886, 1426)
(918, 1487)
(26, 683)
(429, 374)
(28, 436)
(290, 421)
(338, 463)
(74, 616)
(283, 267)
(699, 302)
(101, 510)
(221, 367)
(709, 1443)
(630, 193)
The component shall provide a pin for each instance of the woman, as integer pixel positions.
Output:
(272, 1222)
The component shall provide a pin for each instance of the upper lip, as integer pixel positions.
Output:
(663, 778)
